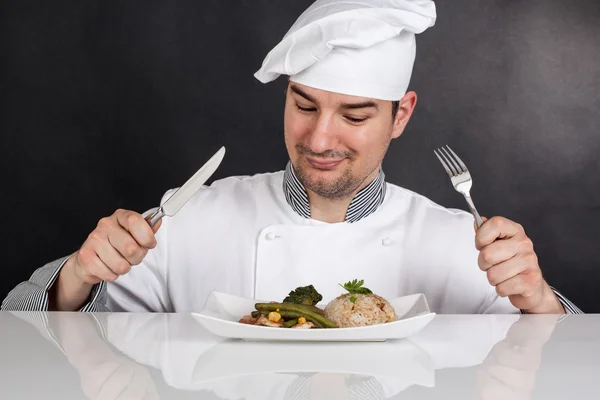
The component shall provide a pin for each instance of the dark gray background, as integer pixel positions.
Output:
(107, 104)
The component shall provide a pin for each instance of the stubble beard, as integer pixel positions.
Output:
(336, 190)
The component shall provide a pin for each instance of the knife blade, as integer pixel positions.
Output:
(185, 192)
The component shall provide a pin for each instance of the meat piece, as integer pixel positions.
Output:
(306, 325)
(248, 319)
(264, 321)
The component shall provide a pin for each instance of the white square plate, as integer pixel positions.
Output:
(223, 311)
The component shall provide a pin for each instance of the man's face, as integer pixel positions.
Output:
(337, 142)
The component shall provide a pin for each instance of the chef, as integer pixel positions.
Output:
(328, 217)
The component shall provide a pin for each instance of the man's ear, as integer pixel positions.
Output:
(405, 109)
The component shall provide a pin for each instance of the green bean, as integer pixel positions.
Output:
(309, 307)
(290, 323)
(299, 310)
(296, 315)
(313, 309)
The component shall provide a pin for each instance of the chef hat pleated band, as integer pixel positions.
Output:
(362, 48)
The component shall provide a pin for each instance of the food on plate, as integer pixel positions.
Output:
(291, 311)
(304, 295)
(298, 310)
(359, 307)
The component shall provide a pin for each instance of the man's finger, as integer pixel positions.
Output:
(127, 246)
(510, 287)
(524, 284)
(137, 226)
(112, 258)
(506, 270)
(93, 266)
(496, 228)
(496, 253)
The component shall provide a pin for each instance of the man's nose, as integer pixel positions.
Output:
(323, 136)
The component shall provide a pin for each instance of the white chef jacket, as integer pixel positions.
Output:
(241, 236)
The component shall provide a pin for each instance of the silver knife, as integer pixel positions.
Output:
(185, 192)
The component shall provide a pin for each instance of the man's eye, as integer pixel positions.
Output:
(307, 109)
(356, 120)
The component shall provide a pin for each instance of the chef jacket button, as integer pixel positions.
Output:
(271, 236)
(387, 242)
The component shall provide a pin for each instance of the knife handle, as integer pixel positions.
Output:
(153, 215)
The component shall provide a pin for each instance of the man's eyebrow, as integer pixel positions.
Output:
(364, 104)
(302, 93)
(348, 106)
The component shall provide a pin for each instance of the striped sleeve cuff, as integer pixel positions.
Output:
(97, 299)
(32, 295)
(570, 308)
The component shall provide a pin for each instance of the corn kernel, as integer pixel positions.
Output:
(301, 320)
(274, 316)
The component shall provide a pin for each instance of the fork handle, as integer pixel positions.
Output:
(473, 210)
(153, 215)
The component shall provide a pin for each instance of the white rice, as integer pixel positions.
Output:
(368, 309)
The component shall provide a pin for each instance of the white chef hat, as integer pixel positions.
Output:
(363, 48)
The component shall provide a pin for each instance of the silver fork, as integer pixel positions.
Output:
(460, 177)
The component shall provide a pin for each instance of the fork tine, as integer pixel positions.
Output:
(457, 158)
(443, 163)
(453, 161)
(455, 171)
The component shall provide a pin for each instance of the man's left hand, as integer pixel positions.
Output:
(506, 255)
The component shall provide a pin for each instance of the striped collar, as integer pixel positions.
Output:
(362, 205)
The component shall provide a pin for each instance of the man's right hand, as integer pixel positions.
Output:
(118, 243)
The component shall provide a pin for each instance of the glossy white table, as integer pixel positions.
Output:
(170, 356)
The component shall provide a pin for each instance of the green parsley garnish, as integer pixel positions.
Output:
(355, 286)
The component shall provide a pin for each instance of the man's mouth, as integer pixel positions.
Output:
(323, 164)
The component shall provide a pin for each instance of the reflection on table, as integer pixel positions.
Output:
(151, 356)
